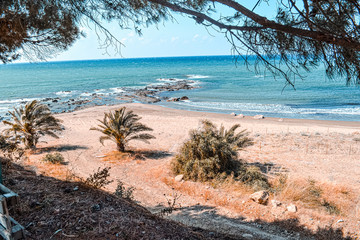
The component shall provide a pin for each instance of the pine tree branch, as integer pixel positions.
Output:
(315, 35)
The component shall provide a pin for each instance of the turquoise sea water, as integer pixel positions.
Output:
(224, 86)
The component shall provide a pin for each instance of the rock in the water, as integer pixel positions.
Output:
(275, 203)
(184, 98)
(179, 178)
(240, 116)
(292, 208)
(259, 117)
(260, 197)
(173, 100)
(233, 114)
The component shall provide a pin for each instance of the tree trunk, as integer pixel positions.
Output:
(121, 147)
(30, 143)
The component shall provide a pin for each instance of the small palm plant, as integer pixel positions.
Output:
(210, 152)
(31, 122)
(121, 127)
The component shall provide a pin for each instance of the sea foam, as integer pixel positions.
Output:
(20, 100)
(269, 108)
(64, 93)
(117, 90)
(195, 76)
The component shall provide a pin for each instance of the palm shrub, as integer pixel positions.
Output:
(121, 127)
(6, 145)
(32, 121)
(10, 148)
(211, 153)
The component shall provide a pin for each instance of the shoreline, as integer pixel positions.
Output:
(246, 119)
(166, 92)
(284, 125)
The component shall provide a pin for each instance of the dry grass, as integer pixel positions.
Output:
(229, 197)
(116, 157)
(333, 199)
(58, 171)
(318, 199)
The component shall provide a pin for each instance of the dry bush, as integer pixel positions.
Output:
(55, 158)
(123, 192)
(172, 204)
(253, 177)
(98, 179)
(211, 154)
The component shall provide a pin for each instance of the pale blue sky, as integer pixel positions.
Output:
(184, 38)
(181, 38)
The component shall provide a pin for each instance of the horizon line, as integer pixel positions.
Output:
(109, 59)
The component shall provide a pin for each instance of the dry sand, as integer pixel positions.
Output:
(323, 150)
(326, 151)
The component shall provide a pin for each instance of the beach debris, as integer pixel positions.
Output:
(260, 197)
(292, 208)
(259, 117)
(240, 116)
(183, 98)
(179, 178)
(281, 120)
(275, 203)
(340, 221)
(233, 114)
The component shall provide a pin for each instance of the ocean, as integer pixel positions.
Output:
(219, 84)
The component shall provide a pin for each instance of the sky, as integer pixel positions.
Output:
(182, 37)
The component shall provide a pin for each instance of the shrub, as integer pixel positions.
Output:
(251, 175)
(123, 192)
(31, 122)
(330, 207)
(10, 148)
(212, 153)
(121, 127)
(172, 204)
(55, 158)
(99, 178)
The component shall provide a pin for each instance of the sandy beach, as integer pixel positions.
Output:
(325, 151)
